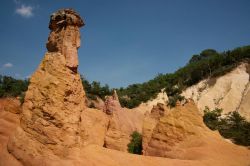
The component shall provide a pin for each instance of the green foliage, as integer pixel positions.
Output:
(231, 126)
(173, 99)
(212, 118)
(94, 89)
(209, 63)
(135, 145)
(10, 87)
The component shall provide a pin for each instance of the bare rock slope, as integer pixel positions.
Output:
(180, 133)
(231, 92)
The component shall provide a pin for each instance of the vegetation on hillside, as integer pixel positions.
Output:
(10, 87)
(209, 63)
(231, 126)
(135, 145)
(94, 89)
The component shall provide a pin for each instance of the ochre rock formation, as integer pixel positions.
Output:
(9, 120)
(214, 152)
(181, 134)
(173, 127)
(51, 112)
(94, 126)
(149, 123)
(112, 104)
(57, 129)
(10, 105)
(64, 37)
(122, 123)
(97, 103)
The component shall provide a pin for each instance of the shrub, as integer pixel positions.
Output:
(231, 126)
(10, 87)
(173, 99)
(135, 145)
(94, 89)
(212, 118)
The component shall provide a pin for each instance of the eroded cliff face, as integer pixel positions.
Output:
(229, 92)
(51, 112)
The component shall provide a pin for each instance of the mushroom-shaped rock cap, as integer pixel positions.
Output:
(64, 17)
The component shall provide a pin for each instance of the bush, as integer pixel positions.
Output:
(10, 87)
(212, 118)
(135, 145)
(94, 89)
(173, 99)
(231, 126)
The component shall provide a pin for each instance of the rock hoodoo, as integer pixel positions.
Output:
(65, 35)
(55, 98)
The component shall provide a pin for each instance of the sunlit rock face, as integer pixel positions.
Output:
(51, 113)
(65, 35)
(171, 132)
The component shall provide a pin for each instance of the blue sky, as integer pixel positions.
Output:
(124, 41)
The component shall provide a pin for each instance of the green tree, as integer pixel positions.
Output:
(231, 126)
(135, 145)
(212, 118)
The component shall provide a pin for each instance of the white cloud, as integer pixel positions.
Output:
(25, 11)
(7, 65)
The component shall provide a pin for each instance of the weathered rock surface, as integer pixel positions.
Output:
(216, 152)
(64, 37)
(149, 123)
(173, 127)
(51, 112)
(9, 121)
(94, 125)
(112, 104)
(10, 105)
(229, 92)
(98, 103)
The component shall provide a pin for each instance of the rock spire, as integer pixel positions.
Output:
(65, 35)
(51, 113)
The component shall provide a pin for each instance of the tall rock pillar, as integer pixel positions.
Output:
(55, 97)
